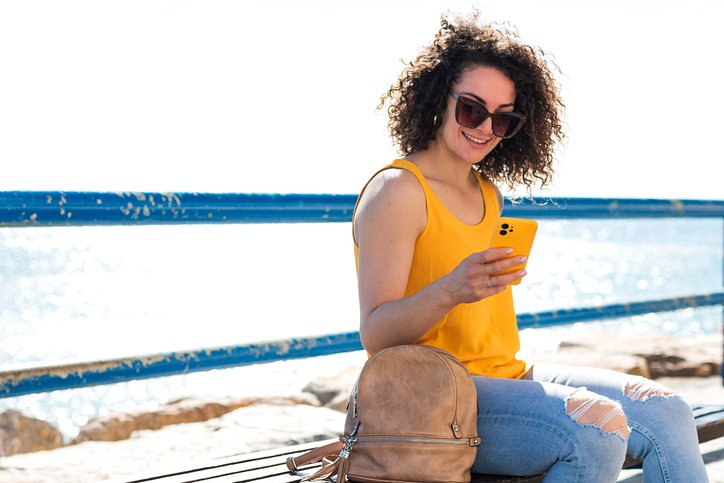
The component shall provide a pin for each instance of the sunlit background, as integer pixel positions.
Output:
(280, 96)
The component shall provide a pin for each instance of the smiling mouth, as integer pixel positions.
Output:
(479, 141)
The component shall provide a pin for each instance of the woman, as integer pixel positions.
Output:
(478, 106)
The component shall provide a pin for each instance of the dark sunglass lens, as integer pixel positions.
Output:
(505, 125)
(470, 113)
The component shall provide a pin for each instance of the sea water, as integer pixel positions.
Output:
(101, 292)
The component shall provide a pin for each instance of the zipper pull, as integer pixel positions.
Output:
(352, 433)
(354, 403)
(343, 460)
(342, 469)
(456, 430)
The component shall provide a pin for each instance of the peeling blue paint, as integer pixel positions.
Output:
(94, 208)
(32, 379)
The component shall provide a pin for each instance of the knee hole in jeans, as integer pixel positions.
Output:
(586, 407)
(641, 389)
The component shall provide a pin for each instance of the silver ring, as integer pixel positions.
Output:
(490, 283)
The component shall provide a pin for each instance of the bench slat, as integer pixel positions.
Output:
(268, 459)
(270, 466)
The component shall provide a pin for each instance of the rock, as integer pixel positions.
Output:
(627, 363)
(662, 365)
(329, 389)
(339, 403)
(22, 434)
(652, 355)
(116, 427)
(252, 428)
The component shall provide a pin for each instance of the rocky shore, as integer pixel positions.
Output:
(196, 429)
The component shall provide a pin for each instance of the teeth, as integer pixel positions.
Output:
(474, 139)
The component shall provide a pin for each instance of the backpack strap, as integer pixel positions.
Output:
(314, 456)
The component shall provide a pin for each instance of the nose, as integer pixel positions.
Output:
(486, 127)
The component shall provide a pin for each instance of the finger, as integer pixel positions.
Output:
(491, 282)
(497, 289)
(491, 254)
(503, 264)
(494, 285)
(508, 278)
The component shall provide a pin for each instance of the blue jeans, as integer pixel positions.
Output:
(576, 424)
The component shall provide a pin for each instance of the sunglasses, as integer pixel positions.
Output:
(470, 113)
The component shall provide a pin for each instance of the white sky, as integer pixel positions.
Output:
(280, 96)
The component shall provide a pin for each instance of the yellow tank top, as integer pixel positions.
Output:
(482, 335)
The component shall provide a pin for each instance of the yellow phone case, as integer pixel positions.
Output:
(515, 233)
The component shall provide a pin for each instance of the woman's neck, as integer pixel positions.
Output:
(440, 164)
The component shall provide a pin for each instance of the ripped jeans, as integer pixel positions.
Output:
(576, 424)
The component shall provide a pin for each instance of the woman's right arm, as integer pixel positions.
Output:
(390, 216)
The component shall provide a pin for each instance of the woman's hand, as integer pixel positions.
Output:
(475, 277)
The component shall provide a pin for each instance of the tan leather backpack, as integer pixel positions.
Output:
(412, 417)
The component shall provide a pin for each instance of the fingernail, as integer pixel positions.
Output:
(508, 250)
(523, 259)
(524, 273)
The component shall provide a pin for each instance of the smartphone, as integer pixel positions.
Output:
(515, 233)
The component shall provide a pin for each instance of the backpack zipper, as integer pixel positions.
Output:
(454, 423)
(354, 400)
(416, 439)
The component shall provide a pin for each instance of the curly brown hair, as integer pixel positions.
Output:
(417, 101)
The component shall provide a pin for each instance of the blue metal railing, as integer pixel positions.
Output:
(23, 209)
(33, 378)
(33, 208)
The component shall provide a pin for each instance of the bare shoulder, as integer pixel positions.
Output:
(393, 185)
(392, 195)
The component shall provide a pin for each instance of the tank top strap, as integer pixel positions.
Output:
(412, 168)
(490, 195)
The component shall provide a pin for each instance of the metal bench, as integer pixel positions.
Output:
(270, 466)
